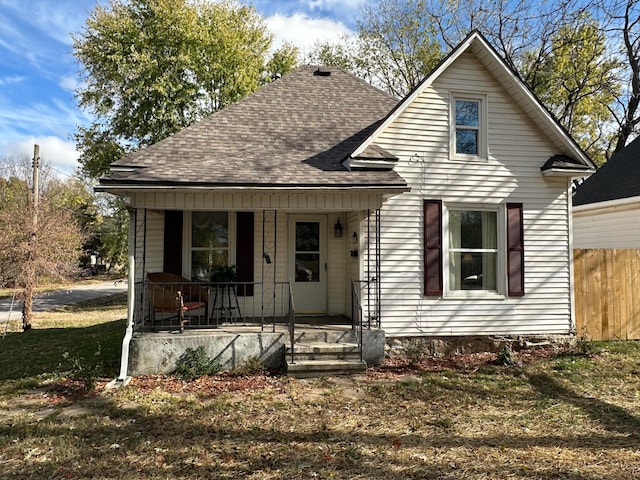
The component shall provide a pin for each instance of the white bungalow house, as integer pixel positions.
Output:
(606, 206)
(445, 214)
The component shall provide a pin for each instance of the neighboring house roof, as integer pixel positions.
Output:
(617, 179)
(486, 54)
(294, 132)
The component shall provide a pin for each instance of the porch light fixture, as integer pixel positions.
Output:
(337, 229)
(354, 238)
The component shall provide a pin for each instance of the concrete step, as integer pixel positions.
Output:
(324, 351)
(343, 336)
(324, 368)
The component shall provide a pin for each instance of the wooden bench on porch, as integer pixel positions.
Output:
(171, 296)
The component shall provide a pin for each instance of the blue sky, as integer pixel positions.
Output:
(38, 73)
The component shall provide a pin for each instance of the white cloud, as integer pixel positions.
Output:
(335, 4)
(4, 81)
(69, 83)
(58, 153)
(303, 31)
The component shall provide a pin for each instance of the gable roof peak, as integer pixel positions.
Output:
(476, 43)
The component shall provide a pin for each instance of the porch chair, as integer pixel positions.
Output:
(171, 296)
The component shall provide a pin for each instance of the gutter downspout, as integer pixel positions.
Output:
(572, 306)
(123, 379)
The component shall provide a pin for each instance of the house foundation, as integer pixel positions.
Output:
(158, 352)
(444, 346)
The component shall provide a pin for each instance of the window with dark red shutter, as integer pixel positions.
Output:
(515, 250)
(432, 210)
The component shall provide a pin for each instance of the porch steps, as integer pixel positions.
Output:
(320, 359)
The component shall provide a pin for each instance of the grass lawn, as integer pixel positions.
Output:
(565, 416)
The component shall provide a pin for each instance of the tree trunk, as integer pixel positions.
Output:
(27, 307)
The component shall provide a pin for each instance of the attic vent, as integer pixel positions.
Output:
(322, 73)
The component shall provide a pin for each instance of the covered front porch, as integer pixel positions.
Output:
(234, 263)
(295, 273)
(232, 345)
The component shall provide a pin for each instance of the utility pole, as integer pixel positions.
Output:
(30, 271)
(36, 186)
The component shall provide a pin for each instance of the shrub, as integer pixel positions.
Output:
(506, 356)
(82, 369)
(194, 364)
(414, 350)
(251, 366)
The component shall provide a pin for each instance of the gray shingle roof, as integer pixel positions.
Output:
(295, 131)
(616, 179)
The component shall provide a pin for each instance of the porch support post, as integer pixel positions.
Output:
(123, 379)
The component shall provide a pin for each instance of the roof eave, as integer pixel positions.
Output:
(607, 204)
(137, 186)
(567, 172)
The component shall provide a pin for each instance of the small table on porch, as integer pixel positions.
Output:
(225, 303)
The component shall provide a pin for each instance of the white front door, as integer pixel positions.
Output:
(307, 262)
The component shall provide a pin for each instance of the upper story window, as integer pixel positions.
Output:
(468, 127)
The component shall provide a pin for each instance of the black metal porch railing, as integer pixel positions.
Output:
(190, 305)
(292, 322)
(356, 314)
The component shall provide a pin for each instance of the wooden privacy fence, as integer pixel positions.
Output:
(607, 293)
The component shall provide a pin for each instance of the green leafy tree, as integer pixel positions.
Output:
(394, 48)
(622, 26)
(577, 82)
(152, 67)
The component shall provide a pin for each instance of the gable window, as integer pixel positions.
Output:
(473, 251)
(467, 127)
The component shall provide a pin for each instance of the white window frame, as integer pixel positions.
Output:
(186, 238)
(481, 129)
(501, 267)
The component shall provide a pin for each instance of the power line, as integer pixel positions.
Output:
(60, 172)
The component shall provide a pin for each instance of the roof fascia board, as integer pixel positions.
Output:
(567, 172)
(476, 38)
(266, 189)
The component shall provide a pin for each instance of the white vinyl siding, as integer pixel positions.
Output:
(616, 227)
(149, 258)
(311, 201)
(516, 150)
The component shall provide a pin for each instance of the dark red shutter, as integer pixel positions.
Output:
(515, 250)
(172, 258)
(432, 210)
(244, 251)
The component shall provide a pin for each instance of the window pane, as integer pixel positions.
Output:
(203, 262)
(209, 229)
(472, 229)
(467, 113)
(307, 236)
(307, 267)
(467, 141)
(472, 271)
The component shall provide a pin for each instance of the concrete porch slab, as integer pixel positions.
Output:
(232, 344)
